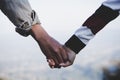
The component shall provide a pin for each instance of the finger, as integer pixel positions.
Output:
(52, 61)
(56, 62)
(52, 67)
(70, 58)
(65, 64)
(52, 64)
(57, 66)
(57, 57)
(64, 54)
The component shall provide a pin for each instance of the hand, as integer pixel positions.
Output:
(57, 55)
(68, 60)
(71, 58)
(54, 52)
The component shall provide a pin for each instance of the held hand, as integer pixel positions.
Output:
(49, 46)
(71, 58)
(53, 50)
(68, 60)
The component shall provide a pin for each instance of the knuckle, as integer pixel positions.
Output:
(57, 50)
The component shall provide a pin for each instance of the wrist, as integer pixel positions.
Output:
(39, 33)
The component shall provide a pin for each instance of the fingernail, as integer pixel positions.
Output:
(49, 60)
(61, 64)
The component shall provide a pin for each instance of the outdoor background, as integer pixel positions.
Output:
(21, 58)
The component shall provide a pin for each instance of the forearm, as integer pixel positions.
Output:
(52, 49)
(90, 27)
(38, 33)
(42, 38)
(100, 18)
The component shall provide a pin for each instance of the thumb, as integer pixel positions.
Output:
(65, 64)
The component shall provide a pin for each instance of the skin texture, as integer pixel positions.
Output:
(57, 55)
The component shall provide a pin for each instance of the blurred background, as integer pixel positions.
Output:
(21, 58)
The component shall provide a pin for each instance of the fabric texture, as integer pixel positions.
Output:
(20, 14)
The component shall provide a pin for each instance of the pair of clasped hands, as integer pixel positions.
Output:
(58, 55)
(62, 58)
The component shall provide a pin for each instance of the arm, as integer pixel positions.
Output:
(53, 50)
(102, 16)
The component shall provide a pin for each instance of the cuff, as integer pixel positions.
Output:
(75, 44)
